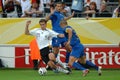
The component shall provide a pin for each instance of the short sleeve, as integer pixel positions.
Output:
(33, 32)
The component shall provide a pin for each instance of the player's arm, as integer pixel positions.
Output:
(69, 31)
(26, 28)
(55, 34)
(69, 17)
(67, 45)
(48, 17)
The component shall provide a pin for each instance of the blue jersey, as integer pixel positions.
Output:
(75, 39)
(56, 18)
(77, 47)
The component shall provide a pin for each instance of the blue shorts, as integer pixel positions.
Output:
(78, 51)
(56, 41)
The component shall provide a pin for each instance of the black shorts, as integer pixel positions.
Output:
(44, 54)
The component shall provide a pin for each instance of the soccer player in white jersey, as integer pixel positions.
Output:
(43, 36)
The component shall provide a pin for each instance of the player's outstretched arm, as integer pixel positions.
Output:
(26, 28)
(69, 17)
(48, 17)
(55, 34)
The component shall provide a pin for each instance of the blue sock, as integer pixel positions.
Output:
(67, 57)
(89, 63)
(78, 66)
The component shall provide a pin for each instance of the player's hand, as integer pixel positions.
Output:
(52, 12)
(61, 35)
(73, 13)
(68, 47)
(67, 44)
(28, 23)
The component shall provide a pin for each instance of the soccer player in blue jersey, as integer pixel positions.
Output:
(55, 17)
(77, 52)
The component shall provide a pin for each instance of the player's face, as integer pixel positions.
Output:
(58, 7)
(43, 25)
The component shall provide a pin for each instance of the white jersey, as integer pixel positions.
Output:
(44, 37)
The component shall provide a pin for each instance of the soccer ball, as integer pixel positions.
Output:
(42, 71)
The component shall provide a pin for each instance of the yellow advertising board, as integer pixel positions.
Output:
(92, 31)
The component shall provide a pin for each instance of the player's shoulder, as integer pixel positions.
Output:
(68, 27)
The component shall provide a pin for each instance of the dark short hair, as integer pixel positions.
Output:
(43, 20)
(58, 3)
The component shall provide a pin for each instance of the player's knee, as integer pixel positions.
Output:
(72, 59)
(52, 57)
(70, 63)
(82, 61)
(49, 62)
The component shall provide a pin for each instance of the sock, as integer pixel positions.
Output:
(78, 66)
(89, 63)
(35, 64)
(67, 57)
(60, 62)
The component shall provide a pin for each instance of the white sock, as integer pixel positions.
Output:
(60, 62)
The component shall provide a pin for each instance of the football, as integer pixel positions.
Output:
(42, 71)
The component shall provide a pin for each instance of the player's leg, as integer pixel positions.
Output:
(53, 65)
(75, 54)
(68, 51)
(87, 62)
(45, 57)
(45, 54)
(67, 57)
(83, 61)
(72, 62)
(57, 57)
(35, 64)
(56, 43)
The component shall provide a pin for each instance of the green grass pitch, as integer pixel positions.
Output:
(29, 74)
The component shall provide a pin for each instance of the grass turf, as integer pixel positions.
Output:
(27, 74)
